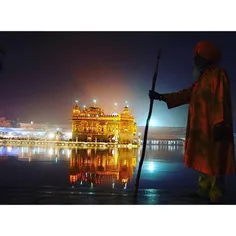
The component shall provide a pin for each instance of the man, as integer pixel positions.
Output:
(209, 143)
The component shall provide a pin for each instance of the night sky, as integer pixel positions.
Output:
(45, 72)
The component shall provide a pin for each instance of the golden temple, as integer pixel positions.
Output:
(93, 125)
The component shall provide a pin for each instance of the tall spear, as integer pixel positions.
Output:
(136, 186)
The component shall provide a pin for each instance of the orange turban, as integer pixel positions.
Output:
(208, 50)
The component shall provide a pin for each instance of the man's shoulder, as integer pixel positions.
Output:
(216, 68)
(218, 71)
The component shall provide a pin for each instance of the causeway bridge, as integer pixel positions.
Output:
(170, 136)
(169, 142)
(65, 144)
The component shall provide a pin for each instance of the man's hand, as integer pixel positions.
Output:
(154, 95)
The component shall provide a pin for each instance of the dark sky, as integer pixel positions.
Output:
(45, 72)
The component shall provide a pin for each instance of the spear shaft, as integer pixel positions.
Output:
(136, 186)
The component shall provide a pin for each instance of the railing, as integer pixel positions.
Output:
(62, 143)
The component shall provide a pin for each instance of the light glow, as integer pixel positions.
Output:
(151, 167)
(51, 135)
(153, 122)
(68, 153)
(50, 151)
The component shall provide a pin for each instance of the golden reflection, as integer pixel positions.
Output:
(102, 166)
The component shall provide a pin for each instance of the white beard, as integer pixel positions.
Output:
(196, 72)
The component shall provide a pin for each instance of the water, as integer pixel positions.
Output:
(90, 168)
(25, 171)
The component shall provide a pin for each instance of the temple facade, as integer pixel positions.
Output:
(93, 125)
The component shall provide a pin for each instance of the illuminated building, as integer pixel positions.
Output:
(93, 125)
(4, 122)
(94, 167)
(33, 126)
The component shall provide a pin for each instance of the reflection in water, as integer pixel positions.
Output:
(31, 153)
(97, 166)
(151, 166)
(165, 148)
